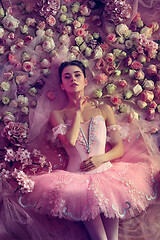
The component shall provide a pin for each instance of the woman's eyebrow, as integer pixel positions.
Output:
(70, 73)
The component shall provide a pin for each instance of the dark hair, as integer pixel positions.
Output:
(71, 63)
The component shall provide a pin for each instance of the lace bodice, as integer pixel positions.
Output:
(91, 141)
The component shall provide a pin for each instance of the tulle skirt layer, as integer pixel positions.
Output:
(122, 191)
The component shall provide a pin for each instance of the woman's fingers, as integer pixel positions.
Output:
(87, 165)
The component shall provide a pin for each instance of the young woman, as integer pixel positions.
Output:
(99, 187)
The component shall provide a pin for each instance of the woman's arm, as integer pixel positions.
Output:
(117, 149)
(56, 118)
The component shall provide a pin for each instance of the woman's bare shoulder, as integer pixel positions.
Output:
(107, 113)
(56, 117)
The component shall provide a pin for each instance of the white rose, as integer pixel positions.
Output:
(45, 63)
(40, 33)
(122, 29)
(48, 45)
(10, 23)
(22, 101)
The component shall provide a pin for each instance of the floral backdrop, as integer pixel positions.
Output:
(120, 50)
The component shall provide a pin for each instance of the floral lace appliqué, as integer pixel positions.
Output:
(91, 133)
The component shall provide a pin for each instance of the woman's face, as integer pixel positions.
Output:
(73, 79)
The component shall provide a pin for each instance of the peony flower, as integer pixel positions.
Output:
(48, 45)
(10, 23)
(147, 96)
(21, 79)
(27, 66)
(136, 65)
(151, 70)
(84, 10)
(51, 20)
(111, 37)
(101, 78)
(16, 133)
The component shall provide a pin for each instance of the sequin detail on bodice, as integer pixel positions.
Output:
(82, 139)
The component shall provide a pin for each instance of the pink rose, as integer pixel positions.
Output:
(109, 58)
(115, 100)
(11, 35)
(12, 58)
(139, 75)
(128, 61)
(151, 114)
(27, 66)
(51, 20)
(122, 83)
(41, 25)
(134, 54)
(84, 10)
(80, 32)
(151, 70)
(85, 26)
(100, 64)
(109, 69)
(136, 65)
(101, 78)
(19, 43)
(147, 96)
(111, 37)
(28, 39)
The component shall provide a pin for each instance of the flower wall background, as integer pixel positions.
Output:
(117, 42)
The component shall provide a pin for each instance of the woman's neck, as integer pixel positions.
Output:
(73, 97)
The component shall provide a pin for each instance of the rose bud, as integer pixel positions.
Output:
(128, 94)
(111, 37)
(51, 95)
(123, 108)
(141, 104)
(134, 54)
(128, 61)
(152, 70)
(117, 72)
(111, 88)
(115, 100)
(154, 26)
(132, 115)
(147, 96)
(122, 83)
(98, 93)
(153, 104)
(139, 75)
(137, 90)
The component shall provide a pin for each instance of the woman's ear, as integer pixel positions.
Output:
(85, 81)
(62, 87)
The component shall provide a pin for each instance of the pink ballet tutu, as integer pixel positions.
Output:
(121, 189)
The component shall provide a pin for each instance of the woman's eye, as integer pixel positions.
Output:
(77, 75)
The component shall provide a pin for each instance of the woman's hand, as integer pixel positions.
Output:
(80, 103)
(91, 163)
